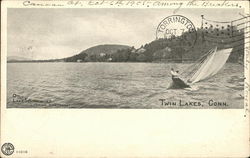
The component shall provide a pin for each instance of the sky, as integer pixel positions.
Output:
(58, 33)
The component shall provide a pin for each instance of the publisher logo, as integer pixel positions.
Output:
(7, 149)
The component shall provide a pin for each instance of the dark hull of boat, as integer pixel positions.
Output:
(178, 84)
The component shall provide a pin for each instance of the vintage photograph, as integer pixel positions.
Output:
(123, 78)
(134, 58)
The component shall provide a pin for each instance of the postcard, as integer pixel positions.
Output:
(102, 78)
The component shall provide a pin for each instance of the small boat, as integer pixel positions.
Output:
(206, 67)
(179, 84)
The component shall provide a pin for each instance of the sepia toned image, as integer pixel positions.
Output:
(125, 58)
(121, 78)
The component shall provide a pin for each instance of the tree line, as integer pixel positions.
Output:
(187, 47)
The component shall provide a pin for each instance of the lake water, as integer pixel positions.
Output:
(117, 85)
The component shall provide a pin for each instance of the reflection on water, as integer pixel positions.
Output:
(115, 85)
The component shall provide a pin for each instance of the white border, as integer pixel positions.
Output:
(121, 132)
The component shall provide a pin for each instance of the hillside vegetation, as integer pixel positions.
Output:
(96, 53)
(186, 48)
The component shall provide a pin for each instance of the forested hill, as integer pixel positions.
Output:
(96, 53)
(186, 48)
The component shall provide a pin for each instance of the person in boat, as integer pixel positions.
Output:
(175, 74)
(177, 82)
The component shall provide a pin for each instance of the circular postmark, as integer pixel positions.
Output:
(7, 149)
(177, 27)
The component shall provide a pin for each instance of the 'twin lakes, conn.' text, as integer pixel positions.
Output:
(182, 103)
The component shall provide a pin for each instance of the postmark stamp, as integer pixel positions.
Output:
(7, 149)
(177, 26)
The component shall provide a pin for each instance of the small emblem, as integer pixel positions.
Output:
(7, 149)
